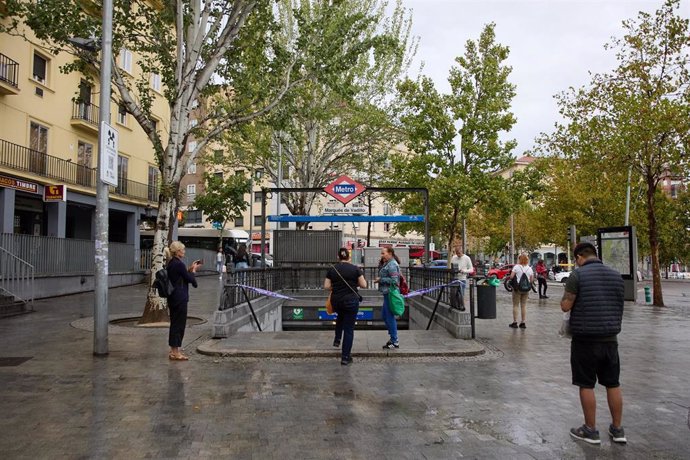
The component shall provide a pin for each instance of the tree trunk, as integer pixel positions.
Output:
(156, 309)
(658, 298)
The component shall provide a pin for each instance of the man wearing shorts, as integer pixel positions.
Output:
(594, 297)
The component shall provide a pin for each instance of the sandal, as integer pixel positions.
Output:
(179, 357)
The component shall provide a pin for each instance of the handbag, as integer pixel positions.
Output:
(565, 326)
(396, 301)
(329, 305)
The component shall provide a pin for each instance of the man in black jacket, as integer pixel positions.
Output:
(594, 297)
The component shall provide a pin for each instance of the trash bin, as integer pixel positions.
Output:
(486, 301)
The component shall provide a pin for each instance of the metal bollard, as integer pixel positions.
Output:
(647, 294)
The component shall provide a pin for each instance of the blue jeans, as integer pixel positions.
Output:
(345, 326)
(457, 294)
(389, 319)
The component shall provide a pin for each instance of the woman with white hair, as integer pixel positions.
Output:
(180, 277)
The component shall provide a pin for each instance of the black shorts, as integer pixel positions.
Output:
(592, 361)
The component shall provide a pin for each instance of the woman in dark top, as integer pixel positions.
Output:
(342, 280)
(242, 257)
(181, 277)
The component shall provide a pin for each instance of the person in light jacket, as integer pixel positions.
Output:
(389, 275)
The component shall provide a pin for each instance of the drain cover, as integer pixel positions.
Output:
(13, 360)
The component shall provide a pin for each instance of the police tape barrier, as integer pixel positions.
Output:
(265, 292)
(424, 291)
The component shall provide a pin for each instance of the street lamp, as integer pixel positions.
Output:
(459, 123)
(100, 317)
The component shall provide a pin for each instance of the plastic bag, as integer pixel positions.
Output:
(564, 331)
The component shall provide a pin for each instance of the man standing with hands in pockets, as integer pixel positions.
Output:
(594, 296)
(464, 266)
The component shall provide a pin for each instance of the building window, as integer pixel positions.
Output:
(191, 191)
(283, 198)
(156, 82)
(286, 173)
(218, 156)
(219, 175)
(193, 216)
(126, 60)
(239, 172)
(258, 174)
(386, 209)
(122, 170)
(38, 143)
(258, 197)
(239, 221)
(122, 114)
(153, 183)
(192, 168)
(84, 156)
(40, 68)
(258, 220)
(386, 227)
(191, 146)
(284, 225)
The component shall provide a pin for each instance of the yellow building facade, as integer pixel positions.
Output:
(49, 137)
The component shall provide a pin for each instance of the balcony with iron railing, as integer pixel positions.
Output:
(9, 76)
(19, 158)
(85, 116)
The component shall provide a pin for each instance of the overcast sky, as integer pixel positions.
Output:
(553, 44)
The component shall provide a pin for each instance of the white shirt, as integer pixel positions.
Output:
(520, 269)
(219, 257)
(464, 264)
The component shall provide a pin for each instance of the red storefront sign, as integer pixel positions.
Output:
(52, 193)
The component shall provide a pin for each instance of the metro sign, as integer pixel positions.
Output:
(344, 189)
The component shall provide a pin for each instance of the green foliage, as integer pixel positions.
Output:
(457, 180)
(636, 116)
(336, 122)
(223, 199)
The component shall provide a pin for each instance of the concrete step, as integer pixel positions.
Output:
(16, 307)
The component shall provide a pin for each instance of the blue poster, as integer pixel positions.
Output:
(363, 314)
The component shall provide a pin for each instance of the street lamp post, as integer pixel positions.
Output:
(100, 330)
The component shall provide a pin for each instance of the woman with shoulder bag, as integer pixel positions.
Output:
(180, 277)
(343, 279)
(389, 277)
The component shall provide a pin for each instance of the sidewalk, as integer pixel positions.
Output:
(513, 402)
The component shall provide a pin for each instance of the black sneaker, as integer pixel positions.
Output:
(545, 296)
(617, 434)
(390, 345)
(513, 325)
(586, 434)
(346, 361)
(523, 326)
(336, 343)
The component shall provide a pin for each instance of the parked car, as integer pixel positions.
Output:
(561, 277)
(501, 271)
(256, 260)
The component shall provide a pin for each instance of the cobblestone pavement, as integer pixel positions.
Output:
(515, 402)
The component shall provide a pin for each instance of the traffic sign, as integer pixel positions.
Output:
(344, 189)
(107, 149)
(217, 225)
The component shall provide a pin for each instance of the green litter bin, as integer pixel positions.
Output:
(486, 301)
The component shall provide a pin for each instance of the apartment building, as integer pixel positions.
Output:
(49, 148)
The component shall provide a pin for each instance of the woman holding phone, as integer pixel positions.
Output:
(180, 277)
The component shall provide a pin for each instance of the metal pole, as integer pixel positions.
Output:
(627, 199)
(280, 176)
(100, 317)
(512, 239)
(263, 227)
(427, 236)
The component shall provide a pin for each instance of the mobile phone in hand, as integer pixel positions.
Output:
(199, 262)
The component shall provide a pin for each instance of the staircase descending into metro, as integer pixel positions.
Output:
(16, 284)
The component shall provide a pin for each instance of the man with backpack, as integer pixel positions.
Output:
(521, 280)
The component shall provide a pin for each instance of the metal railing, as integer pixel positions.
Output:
(424, 277)
(85, 111)
(9, 71)
(22, 158)
(16, 277)
(64, 256)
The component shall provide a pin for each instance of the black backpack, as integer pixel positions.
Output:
(162, 284)
(523, 285)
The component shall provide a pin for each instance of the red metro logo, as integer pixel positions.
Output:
(344, 189)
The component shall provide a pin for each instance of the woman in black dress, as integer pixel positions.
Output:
(181, 277)
(342, 280)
